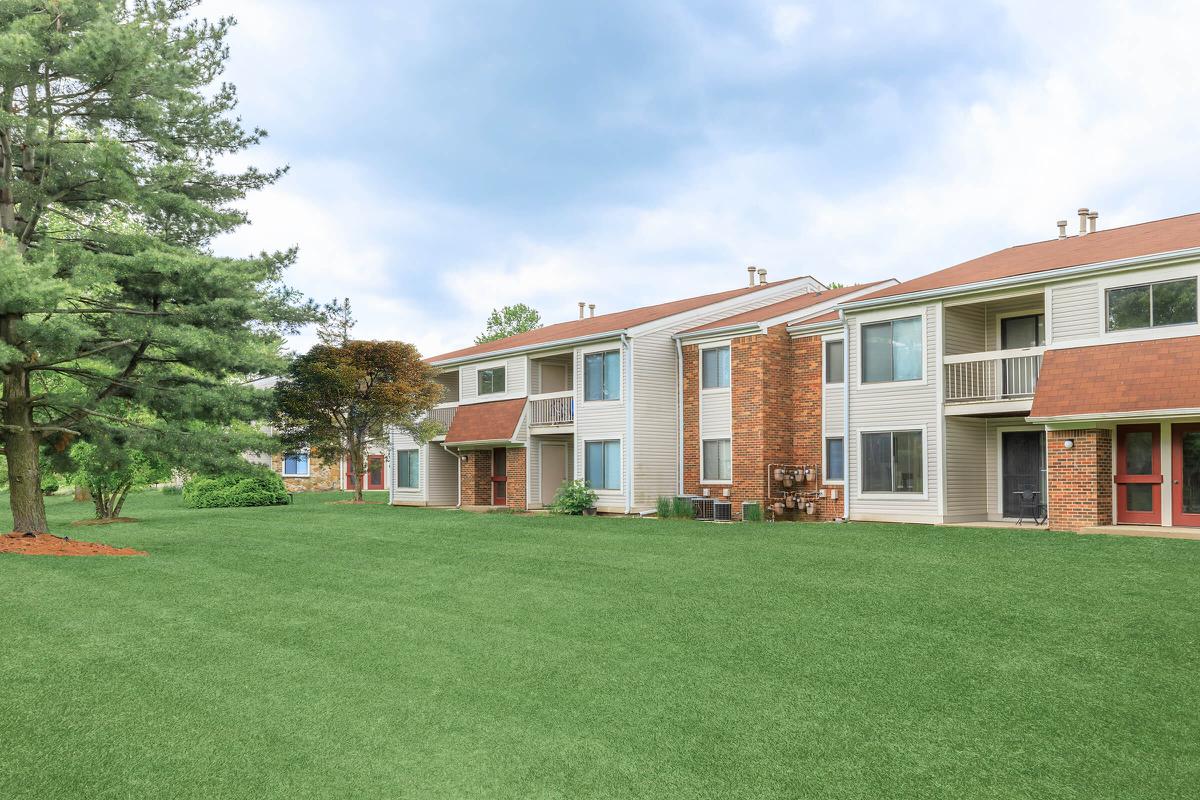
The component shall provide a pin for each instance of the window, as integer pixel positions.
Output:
(408, 469)
(835, 361)
(602, 464)
(835, 459)
(714, 368)
(717, 458)
(602, 376)
(893, 462)
(1152, 305)
(491, 380)
(295, 465)
(892, 351)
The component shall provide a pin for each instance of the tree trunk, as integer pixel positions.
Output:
(356, 457)
(21, 447)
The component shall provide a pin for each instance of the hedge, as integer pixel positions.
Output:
(259, 487)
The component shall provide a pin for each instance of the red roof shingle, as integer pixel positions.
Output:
(1094, 381)
(604, 323)
(1131, 241)
(792, 305)
(485, 422)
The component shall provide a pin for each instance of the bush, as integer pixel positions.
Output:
(663, 506)
(752, 512)
(256, 487)
(682, 508)
(574, 497)
(171, 489)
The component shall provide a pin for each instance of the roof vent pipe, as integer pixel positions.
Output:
(1083, 212)
(591, 309)
(762, 277)
(1062, 229)
(750, 270)
(581, 305)
(1092, 217)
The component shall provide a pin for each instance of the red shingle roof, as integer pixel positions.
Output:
(1143, 239)
(1100, 380)
(485, 422)
(828, 316)
(792, 305)
(604, 323)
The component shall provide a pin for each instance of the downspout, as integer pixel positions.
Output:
(458, 461)
(679, 414)
(845, 415)
(627, 344)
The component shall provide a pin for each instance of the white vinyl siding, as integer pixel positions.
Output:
(515, 383)
(964, 329)
(966, 469)
(1074, 312)
(599, 421)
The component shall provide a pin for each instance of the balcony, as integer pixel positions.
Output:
(552, 410)
(443, 414)
(997, 381)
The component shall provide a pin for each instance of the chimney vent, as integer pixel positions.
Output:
(1062, 229)
(1083, 213)
(581, 305)
(750, 270)
(762, 277)
(591, 309)
(1092, 217)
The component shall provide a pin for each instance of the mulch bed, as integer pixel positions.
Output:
(46, 544)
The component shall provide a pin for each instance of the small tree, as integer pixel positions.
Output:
(510, 320)
(110, 471)
(337, 399)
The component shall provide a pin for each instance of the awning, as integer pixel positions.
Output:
(482, 423)
(1131, 379)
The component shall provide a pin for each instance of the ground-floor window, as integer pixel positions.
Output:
(602, 464)
(408, 469)
(716, 460)
(295, 465)
(893, 461)
(835, 459)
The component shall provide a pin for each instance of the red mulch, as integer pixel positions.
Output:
(45, 544)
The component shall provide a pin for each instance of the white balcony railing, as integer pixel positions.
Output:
(996, 375)
(443, 414)
(552, 408)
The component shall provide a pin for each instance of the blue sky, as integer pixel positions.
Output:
(450, 157)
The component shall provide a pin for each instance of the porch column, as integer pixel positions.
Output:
(1079, 478)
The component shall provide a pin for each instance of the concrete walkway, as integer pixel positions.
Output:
(1155, 531)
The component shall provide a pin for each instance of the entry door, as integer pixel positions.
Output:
(499, 476)
(1023, 464)
(1139, 475)
(1185, 463)
(554, 470)
(375, 472)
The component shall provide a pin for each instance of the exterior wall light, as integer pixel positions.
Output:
(1068, 444)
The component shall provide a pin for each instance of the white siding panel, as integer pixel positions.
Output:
(1075, 312)
(716, 416)
(655, 419)
(834, 409)
(966, 469)
(600, 420)
(515, 370)
(964, 329)
(400, 440)
(441, 472)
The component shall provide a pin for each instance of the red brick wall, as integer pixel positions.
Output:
(515, 469)
(775, 393)
(1080, 479)
(476, 486)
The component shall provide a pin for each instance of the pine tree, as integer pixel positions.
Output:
(111, 125)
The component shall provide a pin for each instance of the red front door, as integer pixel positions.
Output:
(1139, 475)
(373, 478)
(1185, 469)
(499, 476)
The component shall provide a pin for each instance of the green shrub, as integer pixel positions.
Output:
(752, 512)
(171, 489)
(682, 508)
(255, 487)
(574, 497)
(663, 506)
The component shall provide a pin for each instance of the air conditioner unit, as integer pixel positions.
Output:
(722, 512)
(704, 507)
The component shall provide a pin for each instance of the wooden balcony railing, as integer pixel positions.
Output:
(553, 408)
(995, 375)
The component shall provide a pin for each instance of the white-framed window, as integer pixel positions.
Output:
(295, 465)
(714, 367)
(1151, 305)
(893, 461)
(491, 380)
(835, 361)
(602, 464)
(892, 351)
(835, 459)
(408, 469)
(602, 375)
(716, 460)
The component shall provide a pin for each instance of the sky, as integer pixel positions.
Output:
(447, 158)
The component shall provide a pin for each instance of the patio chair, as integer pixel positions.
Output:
(1029, 506)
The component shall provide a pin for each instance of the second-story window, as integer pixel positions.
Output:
(714, 368)
(602, 375)
(491, 380)
(1152, 305)
(891, 351)
(835, 361)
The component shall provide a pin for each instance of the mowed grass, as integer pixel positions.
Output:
(335, 651)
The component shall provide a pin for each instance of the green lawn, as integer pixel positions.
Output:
(322, 650)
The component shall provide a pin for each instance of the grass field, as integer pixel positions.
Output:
(324, 650)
